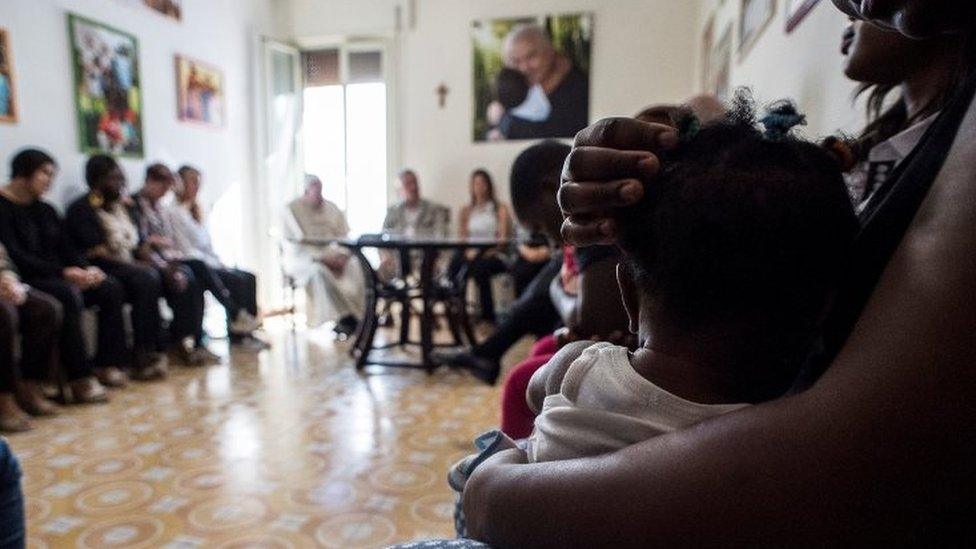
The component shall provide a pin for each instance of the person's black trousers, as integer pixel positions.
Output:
(243, 287)
(143, 287)
(109, 297)
(188, 308)
(532, 313)
(481, 270)
(523, 272)
(218, 282)
(37, 322)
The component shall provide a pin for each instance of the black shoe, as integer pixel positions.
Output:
(346, 325)
(485, 369)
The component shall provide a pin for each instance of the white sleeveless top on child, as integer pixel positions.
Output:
(604, 405)
(483, 221)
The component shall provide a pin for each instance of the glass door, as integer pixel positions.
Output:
(345, 130)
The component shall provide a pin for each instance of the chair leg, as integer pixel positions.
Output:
(453, 322)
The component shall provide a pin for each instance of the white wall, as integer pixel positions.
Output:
(216, 31)
(642, 53)
(804, 65)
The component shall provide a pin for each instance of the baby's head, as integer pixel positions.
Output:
(534, 182)
(511, 88)
(740, 241)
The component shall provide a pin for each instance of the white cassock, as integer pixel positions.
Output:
(329, 297)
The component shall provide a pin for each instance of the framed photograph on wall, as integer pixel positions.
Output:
(718, 71)
(510, 102)
(170, 8)
(107, 88)
(797, 11)
(199, 92)
(8, 95)
(754, 17)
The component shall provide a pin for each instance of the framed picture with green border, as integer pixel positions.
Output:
(107, 88)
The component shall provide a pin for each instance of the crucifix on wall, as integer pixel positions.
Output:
(442, 92)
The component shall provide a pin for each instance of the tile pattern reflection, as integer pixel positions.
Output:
(290, 448)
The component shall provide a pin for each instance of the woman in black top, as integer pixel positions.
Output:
(31, 231)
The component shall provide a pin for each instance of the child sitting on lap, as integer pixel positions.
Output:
(730, 262)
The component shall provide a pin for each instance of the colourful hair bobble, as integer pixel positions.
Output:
(781, 119)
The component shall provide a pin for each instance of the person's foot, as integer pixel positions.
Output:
(88, 391)
(485, 369)
(181, 355)
(250, 343)
(30, 396)
(244, 323)
(111, 376)
(12, 417)
(203, 356)
(150, 367)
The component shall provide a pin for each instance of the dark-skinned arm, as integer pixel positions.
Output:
(879, 450)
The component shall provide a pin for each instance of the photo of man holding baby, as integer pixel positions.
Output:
(531, 77)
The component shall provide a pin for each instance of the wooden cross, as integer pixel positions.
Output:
(442, 92)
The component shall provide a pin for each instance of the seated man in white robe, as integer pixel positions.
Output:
(332, 276)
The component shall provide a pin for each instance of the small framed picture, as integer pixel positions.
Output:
(797, 11)
(200, 92)
(754, 17)
(8, 98)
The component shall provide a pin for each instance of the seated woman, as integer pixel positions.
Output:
(236, 289)
(33, 233)
(484, 217)
(101, 229)
(924, 72)
(333, 279)
(35, 318)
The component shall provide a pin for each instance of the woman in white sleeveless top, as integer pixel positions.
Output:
(484, 217)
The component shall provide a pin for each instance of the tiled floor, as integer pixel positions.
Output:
(290, 448)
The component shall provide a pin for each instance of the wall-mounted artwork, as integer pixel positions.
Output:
(531, 77)
(8, 97)
(108, 92)
(200, 92)
(754, 17)
(797, 11)
(718, 68)
(169, 8)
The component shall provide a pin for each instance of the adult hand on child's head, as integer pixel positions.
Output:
(477, 491)
(607, 170)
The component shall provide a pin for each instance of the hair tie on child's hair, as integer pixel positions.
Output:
(781, 119)
(688, 126)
